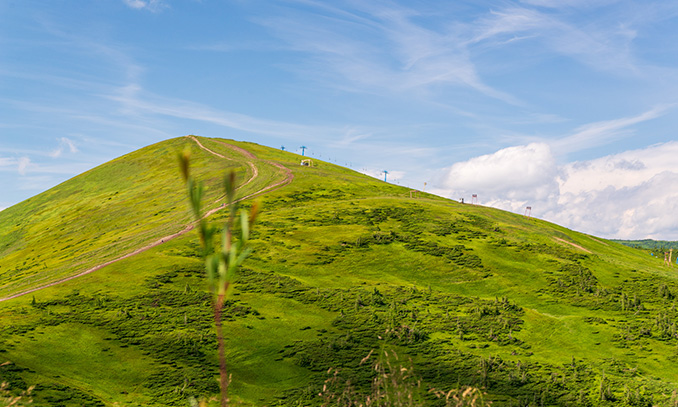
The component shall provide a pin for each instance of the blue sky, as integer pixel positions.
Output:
(568, 106)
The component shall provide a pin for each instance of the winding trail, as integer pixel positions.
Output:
(255, 173)
(242, 151)
(572, 244)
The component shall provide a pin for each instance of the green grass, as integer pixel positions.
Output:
(342, 264)
(100, 215)
(89, 363)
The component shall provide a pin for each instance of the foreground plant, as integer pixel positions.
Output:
(223, 256)
(7, 399)
(465, 397)
(394, 385)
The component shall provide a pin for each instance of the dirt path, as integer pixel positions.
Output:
(207, 149)
(572, 244)
(242, 151)
(598, 240)
(255, 172)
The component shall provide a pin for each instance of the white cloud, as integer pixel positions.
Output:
(351, 136)
(64, 143)
(568, 3)
(37, 173)
(624, 170)
(135, 3)
(378, 47)
(644, 210)
(152, 5)
(22, 165)
(392, 176)
(603, 132)
(519, 173)
(136, 101)
(628, 195)
(599, 45)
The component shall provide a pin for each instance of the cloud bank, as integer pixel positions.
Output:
(631, 195)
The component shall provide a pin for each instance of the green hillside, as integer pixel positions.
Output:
(343, 264)
(650, 244)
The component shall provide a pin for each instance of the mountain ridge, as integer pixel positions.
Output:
(342, 264)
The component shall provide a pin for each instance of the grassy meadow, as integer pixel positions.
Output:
(342, 264)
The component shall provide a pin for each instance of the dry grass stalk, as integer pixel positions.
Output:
(8, 400)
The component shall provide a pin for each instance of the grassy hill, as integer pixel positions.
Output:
(343, 264)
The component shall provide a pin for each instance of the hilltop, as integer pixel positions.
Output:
(343, 264)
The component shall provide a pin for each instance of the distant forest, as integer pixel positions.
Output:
(659, 245)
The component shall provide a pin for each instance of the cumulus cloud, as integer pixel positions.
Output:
(628, 195)
(508, 178)
(624, 170)
(640, 211)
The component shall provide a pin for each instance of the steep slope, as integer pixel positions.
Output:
(112, 211)
(342, 264)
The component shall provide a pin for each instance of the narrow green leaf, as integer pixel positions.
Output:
(244, 226)
(233, 253)
(243, 255)
(185, 163)
(211, 266)
(222, 269)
